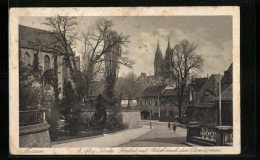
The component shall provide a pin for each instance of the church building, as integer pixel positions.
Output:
(47, 57)
(162, 65)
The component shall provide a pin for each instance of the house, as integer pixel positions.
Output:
(211, 127)
(169, 102)
(148, 101)
(161, 102)
(226, 106)
(203, 108)
(209, 89)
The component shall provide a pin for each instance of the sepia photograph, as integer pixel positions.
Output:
(106, 83)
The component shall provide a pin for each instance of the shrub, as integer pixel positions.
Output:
(74, 122)
(53, 118)
(115, 122)
(99, 119)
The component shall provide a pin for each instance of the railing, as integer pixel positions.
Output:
(221, 135)
(208, 133)
(30, 117)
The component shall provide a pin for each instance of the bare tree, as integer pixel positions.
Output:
(184, 61)
(128, 87)
(104, 46)
(62, 31)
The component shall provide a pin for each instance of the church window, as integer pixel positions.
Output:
(46, 62)
(64, 69)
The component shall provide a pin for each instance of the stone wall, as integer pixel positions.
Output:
(131, 118)
(35, 136)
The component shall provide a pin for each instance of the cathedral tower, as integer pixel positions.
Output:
(158, 59)
(168, 59)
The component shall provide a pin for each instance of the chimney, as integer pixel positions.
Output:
(208, 76)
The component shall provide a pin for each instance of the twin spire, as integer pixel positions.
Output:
(158, 53)
(169, 45)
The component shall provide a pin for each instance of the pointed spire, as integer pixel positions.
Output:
(158, 53)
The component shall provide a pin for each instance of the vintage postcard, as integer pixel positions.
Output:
(124, 81)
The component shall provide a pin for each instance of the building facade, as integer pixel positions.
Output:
(161, 102)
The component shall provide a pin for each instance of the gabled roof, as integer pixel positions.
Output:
(173, 92)
(227, 95)
(198, 83)
(209, 84)
(30, 37)
(151, 91)
(227, 79)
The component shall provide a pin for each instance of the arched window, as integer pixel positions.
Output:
(46, 62)
(64, 69)
(27, 59)
(56, 64)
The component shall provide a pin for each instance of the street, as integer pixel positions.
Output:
(159, 136)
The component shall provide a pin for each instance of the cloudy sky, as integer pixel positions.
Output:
(212, 34)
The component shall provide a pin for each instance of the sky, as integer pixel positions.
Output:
(212, 34)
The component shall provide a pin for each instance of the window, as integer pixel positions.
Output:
(64, 69)
(27, 59)
(46, 62)
(156, 102)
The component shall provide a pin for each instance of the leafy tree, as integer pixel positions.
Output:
(100, 116)
(29, 86)
(53, 118)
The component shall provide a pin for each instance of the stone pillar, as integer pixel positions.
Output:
(34, 136)
(219, 137)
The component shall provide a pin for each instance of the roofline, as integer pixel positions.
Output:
(34, 28)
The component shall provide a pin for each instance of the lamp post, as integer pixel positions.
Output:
(159, 105)
(219, 85)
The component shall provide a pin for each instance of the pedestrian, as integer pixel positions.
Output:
(174, 127)
(169, 126)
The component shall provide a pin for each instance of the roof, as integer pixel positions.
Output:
(151, 91)
(216, 76)
(173, 92)
(227, 95)
(227, 79)
(210, 83)
(198, 83)
(30, 37)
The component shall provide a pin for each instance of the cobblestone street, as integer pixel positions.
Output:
(160, 136)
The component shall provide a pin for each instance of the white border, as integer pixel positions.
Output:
(233, 11)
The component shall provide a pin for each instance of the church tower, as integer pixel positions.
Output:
(158, 61)
(168, 58)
